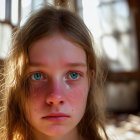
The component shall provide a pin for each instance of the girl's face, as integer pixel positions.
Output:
(58, 86)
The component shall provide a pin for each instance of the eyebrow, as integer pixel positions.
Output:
(75, 64)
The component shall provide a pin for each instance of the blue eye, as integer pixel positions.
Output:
(73, 75)
(37, 76)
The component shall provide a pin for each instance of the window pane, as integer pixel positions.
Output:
(108, 0)
(5, 35)
(50, 2)
(26, 6)
(14, 16)
(92, 19)
(121, 53)
(114, 16)
(37, 4)
(2, 10)
(112, 26)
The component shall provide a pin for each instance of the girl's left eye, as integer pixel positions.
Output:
(73, 76)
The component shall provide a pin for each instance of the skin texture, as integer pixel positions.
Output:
(58, 84)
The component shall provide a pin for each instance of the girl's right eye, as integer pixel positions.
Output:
(37, 76)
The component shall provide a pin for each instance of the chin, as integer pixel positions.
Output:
(56, 131)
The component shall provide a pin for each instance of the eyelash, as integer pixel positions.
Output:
(75, 78)
(42, 78)
(77, 75)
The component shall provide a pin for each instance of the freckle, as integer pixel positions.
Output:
(72, 110)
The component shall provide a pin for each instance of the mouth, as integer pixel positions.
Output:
(56, 117)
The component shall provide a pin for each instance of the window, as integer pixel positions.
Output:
(5, 35)
(14, 13)
(112, 25)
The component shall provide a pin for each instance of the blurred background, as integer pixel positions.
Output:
(115, 25)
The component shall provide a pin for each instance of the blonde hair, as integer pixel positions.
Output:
(45, 22)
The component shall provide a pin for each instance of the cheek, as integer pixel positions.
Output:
(33, 108)
(36, 97)
(78, 97)
(38, 90)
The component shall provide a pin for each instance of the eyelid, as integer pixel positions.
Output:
(32, 73)
(80, 74)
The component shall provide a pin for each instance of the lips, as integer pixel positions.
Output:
(56, 117)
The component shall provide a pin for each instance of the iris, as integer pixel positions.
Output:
(37, 76)
(73, 75)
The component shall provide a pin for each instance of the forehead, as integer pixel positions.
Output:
(56, 48)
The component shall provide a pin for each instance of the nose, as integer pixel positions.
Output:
(54, 99)
(56, 94)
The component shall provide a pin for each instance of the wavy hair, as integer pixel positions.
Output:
(44, 22)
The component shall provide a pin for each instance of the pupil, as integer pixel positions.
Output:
(74, 75)
(37, 76)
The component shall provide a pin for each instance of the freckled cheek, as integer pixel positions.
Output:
(36, 99)
(37, 94)
(78, 97)
(37, 90)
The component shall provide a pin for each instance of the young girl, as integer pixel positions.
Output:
(52, 81)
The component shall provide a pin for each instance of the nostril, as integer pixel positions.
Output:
(51, 102)
(61, 102)
(54, 100)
